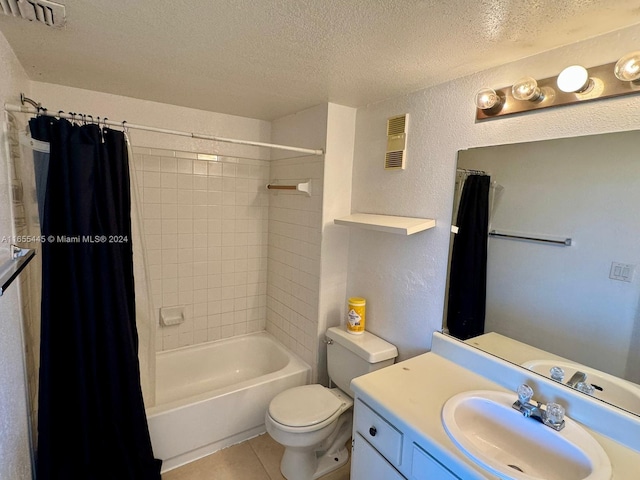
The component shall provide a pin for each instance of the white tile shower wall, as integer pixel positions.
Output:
(205, 224)
(295, 222)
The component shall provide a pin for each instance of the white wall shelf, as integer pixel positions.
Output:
(387, 223)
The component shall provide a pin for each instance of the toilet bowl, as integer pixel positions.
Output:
(314, 422)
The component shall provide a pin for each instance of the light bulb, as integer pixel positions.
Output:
(574, 79)
(526, 89)
(627, 68)
(487, 98)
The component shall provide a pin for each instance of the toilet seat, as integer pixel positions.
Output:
(306, 408)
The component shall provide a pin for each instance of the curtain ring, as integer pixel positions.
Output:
(92, 121)
(104, 122)
(124, 127)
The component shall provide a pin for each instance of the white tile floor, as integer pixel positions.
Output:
(256, 459)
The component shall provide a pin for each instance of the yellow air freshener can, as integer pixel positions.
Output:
(355, 315)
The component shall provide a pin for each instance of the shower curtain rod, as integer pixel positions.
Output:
(471, 172)
(125, 124)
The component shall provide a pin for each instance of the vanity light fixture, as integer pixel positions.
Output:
(487, 99)
(627, 68)
(527, 89)
(575, 84)
(574, 79)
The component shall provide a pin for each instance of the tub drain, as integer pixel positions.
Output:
(515, 467)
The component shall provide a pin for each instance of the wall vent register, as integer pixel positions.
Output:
(42, 11)
(396, 142)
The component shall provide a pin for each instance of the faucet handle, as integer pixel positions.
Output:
(525, 393)
(585, 387)
(555, 413)
(557, 373)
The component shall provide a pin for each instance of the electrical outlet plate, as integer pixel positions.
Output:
(621, 271)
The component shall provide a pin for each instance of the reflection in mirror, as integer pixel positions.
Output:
(545, 265)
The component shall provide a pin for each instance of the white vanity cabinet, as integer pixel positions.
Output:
(381, 451)
(366, 462)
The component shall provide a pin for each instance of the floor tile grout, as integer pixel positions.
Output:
(264, 467)
(226, 464)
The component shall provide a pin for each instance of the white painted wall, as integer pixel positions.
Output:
(403, 279)
(334, 254)
(15, 460)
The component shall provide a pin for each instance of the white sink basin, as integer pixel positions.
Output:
(500, 439)
(608, 388)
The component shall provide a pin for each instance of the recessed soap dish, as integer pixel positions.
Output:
(170, 316)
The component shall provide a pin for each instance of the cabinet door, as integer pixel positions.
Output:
(425, 467)
(368, 464)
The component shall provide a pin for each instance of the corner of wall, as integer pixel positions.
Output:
(338, 170)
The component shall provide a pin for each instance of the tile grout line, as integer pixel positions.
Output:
(264, 467)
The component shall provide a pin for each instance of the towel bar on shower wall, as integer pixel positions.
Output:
(304, 187)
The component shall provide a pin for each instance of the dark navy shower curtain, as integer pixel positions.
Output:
(91, 417)
(468, 271)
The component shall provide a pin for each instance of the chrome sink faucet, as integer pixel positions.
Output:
(578, 380)
(551, 415)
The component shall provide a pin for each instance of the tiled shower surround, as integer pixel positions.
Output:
(219, 244)
(295, 222)
(205, 223)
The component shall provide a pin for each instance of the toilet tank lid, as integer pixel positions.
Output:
(366, 345)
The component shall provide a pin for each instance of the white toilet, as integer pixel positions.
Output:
(314, 422)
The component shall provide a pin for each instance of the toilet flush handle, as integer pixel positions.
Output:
(373, 431)
(327, 341)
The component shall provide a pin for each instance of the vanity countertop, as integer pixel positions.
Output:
(511, 350)
(411, 394)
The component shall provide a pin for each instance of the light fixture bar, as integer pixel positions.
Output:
(605, 85)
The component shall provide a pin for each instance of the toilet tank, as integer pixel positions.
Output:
(349, 356)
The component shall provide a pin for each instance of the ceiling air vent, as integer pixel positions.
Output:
(396, 142)
(42, 11)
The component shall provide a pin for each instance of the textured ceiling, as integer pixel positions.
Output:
(269, 58)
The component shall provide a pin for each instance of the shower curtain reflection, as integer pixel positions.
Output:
(89, 370)
(468, 275)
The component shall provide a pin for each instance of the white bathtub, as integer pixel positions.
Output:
(213, 395)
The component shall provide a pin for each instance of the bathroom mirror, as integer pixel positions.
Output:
(562, 258)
